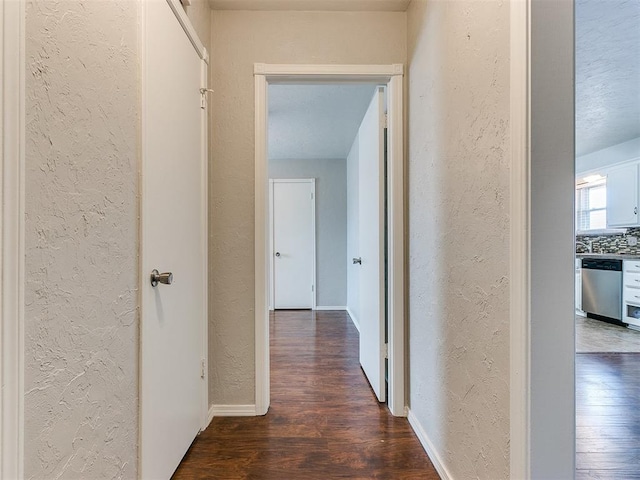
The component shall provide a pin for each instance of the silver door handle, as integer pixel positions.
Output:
(357, 261)
(277, 254)
(157, 277)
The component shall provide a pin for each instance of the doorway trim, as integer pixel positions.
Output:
(542, 235)
(393, 77)
(272, 181)
(520, 228)
(12, 127)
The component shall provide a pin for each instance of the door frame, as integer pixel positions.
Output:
(186, 25)
(12, 215)
(272, 182)
(542, 268)
(393, 77)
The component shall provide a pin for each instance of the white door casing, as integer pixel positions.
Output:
(371, 233)
(293, 229)
(12, 214)
(173, 239)
(392, 77)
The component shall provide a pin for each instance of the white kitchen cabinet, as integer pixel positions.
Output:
(631, 293)
(622, 196)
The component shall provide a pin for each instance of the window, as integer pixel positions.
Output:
(591, 206)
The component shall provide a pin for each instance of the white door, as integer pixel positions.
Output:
(371, 226)
(293, 220)
(173, 220)
(622, 196)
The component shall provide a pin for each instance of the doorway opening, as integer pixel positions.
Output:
(607, 254)
(391, 291)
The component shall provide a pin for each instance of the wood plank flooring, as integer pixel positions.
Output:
(608, 416)
(324, 421)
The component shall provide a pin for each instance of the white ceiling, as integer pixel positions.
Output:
(607, 73)
(318, 5)
(315, 121)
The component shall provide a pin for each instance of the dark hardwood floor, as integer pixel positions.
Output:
(324, 421)
(608, 416)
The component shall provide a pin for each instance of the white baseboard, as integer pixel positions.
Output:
(231, 411)
(428, 447)
(324, 307)
(353, 318)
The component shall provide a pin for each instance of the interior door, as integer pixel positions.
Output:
(371, 236)
(173, 216)
(293, 215)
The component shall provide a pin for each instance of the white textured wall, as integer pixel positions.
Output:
(81, 312)
(458, 232)
(331, 222)
(81, 236)
(353, 230)
(240, 38)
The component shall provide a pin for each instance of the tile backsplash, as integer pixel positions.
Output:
(610, 243)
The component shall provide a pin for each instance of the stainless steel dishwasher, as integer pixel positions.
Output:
(602, 288)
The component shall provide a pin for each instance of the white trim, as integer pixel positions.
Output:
(392, 76)
(341, 73)
(329, 308)
(429, 448)
(205, 244)
(354, 319)
(12, 128)
(261, 228)
(210, 416)
(520, 230)
(187, 26)
(396, 251)
(233, 411)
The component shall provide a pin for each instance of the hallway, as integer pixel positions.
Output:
(324, 421)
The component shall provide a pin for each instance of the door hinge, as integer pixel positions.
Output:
(312, 286)
(385, 350)
(202, 368)
(203, 97)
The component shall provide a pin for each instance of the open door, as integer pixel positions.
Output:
(372, 245)
(173, 241)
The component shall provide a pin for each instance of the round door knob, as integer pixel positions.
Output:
(277, 254)
(157, 277)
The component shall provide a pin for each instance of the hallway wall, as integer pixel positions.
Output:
(331, 222)
(458, 175)
(240, 38)
(81, 237)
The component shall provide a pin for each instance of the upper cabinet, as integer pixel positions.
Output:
(622, 196)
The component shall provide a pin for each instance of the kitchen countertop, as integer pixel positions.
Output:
(609, 256)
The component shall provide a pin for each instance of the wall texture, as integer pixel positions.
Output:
(81, 313)
(81, 236)
(353, 230)
(240, 38)
(331, 222)
(458, 232)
